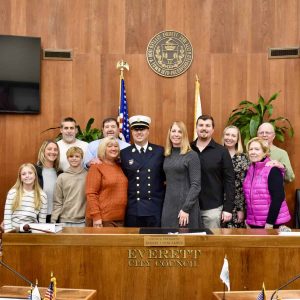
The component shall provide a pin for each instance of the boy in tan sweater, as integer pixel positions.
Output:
(69, 201)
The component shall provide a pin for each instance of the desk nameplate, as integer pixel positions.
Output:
(164, 241)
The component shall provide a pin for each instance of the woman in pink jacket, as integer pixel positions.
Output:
(264, 189)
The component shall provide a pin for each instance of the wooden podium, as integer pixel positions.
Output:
(61, 294)
(252, 295)
(121, 263)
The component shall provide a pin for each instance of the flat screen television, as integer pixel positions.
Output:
(20, 65)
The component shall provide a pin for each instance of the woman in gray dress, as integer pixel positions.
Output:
(183, 172)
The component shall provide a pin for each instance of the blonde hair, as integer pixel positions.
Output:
(18, 186)
(41, 156)
(103, 145)
(238, 145)
(71, 151)
(185, 144)
(264, 145)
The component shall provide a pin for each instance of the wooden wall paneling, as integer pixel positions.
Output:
(18, 12)
(197, 25)
(87, 26)
(116, 27)
(143, 19)
(262, 21)
(168, 107)
(217, 64)
(221, 27)
(5, 18)
(181, 100)
(176, 15)
(286, 26)
(86, 88)
(241, 26)
(56, 82)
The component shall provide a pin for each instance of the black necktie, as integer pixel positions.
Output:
(142, 150)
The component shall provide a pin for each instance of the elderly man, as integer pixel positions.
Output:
(142, 163)
(68, 131)
(109, 128)
(279, 156)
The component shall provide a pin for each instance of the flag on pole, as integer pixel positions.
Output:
(35, 295)
(123, 112)
(262, 294)
(198, 108)
(51, 290)
(225, 273)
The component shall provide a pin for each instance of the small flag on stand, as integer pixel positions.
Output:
(35, 295)
(123, 117)
(225, 274)
(198, 107)
(51, 290)
(262, 294)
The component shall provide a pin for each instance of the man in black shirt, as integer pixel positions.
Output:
(217, 176)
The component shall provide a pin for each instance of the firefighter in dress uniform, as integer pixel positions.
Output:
(142, 163)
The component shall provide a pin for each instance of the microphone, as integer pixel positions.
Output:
(28, 228)
(15, 272)
(284, 285)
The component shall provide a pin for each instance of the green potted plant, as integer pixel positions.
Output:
(89, 134)
(248, 116)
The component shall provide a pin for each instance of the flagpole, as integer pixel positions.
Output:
(224, 291)
(197, 105)
(123, 106)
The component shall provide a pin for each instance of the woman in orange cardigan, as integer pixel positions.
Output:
(106, 187)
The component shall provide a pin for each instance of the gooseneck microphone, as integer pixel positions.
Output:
(284, 285)
(15, 272)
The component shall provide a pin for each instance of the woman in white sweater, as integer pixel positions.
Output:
(25, 202)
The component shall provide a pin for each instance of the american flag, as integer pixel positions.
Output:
(123, 113)
(50, 293)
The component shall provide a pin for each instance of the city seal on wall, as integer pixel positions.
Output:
(169, 53)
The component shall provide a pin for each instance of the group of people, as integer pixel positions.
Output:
(109, 182)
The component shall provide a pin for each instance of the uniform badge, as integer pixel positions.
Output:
(131, 161)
